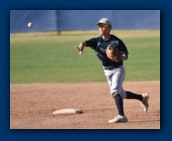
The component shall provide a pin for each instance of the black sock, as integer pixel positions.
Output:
(131, 95)
(119, 104)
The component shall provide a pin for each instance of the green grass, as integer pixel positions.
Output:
(48, 58)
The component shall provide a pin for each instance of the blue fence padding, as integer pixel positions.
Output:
(43, 20)
(81, 19)
(137, 19)
(51, 20)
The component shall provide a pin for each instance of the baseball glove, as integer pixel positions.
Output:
(113, 54)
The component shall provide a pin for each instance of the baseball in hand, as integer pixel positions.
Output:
(30, 24)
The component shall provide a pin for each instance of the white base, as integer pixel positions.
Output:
(68, 111)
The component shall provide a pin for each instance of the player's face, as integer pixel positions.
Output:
(104, 29)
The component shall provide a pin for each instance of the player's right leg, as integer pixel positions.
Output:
(116, 92)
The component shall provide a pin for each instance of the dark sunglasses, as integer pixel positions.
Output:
(102, 25)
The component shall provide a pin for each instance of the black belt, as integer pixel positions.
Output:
(111, 67)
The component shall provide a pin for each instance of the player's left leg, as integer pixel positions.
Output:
(131, 95)
(143, 98)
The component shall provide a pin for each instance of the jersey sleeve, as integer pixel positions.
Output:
(123, 48)
(92, 43)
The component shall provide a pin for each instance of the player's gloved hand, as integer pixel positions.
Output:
(113, 54)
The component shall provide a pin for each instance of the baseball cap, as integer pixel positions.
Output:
(105, 21)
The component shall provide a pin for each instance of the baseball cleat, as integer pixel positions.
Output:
(118, 119)
(144, 102)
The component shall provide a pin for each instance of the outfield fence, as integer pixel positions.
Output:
(68, 20)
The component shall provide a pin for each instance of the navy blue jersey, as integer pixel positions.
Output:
(99, 45)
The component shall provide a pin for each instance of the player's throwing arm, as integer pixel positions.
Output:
(80, 48)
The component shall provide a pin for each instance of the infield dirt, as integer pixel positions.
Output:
(32, 105)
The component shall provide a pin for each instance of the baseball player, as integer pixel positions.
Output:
(112, 52)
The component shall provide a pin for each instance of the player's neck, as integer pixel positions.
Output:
(106, 37)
